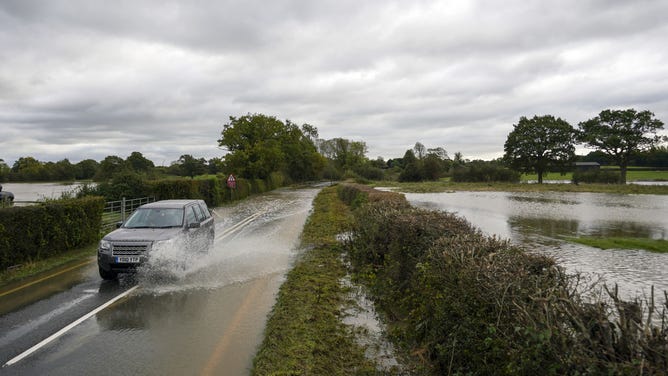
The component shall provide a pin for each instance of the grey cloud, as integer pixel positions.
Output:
(163, 77)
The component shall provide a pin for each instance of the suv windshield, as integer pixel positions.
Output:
(155, 218)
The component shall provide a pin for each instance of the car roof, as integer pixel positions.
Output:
(170, 204)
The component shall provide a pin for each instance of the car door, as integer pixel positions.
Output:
(207, 220)
(206, 224)
(194, 233)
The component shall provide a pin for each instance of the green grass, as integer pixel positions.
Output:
(637, 174)
(33, 268)
(446, 186)
(304, 333)
(652, 245)
(646, 175)
(548, 176)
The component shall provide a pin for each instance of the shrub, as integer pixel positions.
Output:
(484, 172)
(174, 189)
(370, 172)
(596, 176)
(128, 184)
(209, 190)
(258, 186)
(34, 232)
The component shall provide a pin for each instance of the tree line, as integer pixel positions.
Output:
(543, 143)
(29, 169)
(258, 145)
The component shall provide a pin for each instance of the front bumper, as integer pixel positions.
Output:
(108, 263)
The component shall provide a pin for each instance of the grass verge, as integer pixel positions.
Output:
(446, 186)
(636, 174)
(652, 245)
(30, 269)
(304, 333)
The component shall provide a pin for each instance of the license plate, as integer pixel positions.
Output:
(127, 259)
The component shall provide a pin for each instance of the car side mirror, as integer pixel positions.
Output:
(193, 225)
(119, 224)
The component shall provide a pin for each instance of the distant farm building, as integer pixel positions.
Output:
(587, 166)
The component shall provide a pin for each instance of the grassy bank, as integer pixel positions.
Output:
(304, 334)
(29, 269)
(652, 245)
(446, 186)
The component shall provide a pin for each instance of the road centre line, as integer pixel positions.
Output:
(225, 341)
(68, 328)
(238, 226)
(45, 278)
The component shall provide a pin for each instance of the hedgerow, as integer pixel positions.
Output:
(462, 302)
(33, 232)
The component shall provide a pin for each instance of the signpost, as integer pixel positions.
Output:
(231, 182)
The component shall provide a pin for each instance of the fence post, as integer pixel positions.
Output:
(123, 209)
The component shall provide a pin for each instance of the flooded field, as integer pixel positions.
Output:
(38, 191)
(540, 221)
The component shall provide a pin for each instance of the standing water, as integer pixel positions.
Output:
(38, 191)
(542, 221)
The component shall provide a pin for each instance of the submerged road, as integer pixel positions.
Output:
(206, 319)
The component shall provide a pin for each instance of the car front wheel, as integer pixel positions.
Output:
(108, 275)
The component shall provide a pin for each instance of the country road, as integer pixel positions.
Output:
(206, 319)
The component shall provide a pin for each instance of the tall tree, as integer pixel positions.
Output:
(28, 169)
(346, 154)
(110, 166)
(4, 170)
(259, 145)
(191, 166)
(537, 144)
(139, 163)
(412, 170)
(254, 146)
(86, 169)
(621, 133)
(419, 150)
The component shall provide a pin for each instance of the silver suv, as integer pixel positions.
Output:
(161, 222)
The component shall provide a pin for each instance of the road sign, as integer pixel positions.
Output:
(231, 182)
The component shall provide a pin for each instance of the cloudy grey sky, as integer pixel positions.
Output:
(87, 79)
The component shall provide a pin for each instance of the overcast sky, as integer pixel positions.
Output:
(87, 79)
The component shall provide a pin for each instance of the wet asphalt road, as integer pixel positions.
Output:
(206, 319)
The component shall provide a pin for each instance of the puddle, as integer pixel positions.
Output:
(369, 330)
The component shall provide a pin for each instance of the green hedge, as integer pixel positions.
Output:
(596, 176)
(462, 302)
(34, 232)
(475, 171)
(214, 190)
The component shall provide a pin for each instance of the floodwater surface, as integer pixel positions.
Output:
(541, 221)
(39, 191)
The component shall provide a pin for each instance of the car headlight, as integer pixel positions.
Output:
(105, 246)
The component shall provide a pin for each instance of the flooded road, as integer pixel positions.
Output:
(206, 319)
(540, 221)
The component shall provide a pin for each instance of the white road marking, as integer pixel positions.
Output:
(64, 330)
(20, 331)
(238, 226)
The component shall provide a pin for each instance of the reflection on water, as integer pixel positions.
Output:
(542, 220)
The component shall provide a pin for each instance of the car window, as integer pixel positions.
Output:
(155, 218)
(198, 213)
(205, 210)
(190, 215)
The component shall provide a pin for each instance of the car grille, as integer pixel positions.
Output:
(129, 249)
